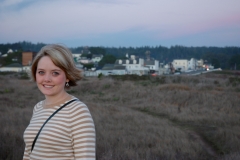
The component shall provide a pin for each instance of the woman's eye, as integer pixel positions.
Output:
(55, 73)
(41, 72)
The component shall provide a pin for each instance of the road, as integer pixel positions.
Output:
(197, 72)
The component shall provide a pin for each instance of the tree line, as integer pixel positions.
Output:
(223, 57)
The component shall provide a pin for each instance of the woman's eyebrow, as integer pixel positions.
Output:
(51, 70)
(56, 70)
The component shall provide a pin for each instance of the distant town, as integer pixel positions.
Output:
(130, 64)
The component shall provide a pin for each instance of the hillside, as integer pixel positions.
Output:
(166, 117)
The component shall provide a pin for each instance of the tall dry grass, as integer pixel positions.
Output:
(172, 117)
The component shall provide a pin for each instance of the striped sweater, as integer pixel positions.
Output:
(69, 134)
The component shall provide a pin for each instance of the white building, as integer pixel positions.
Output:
(97, 58)
(14, 67)
(26, 69)
(76, 56)
(111, 69)
(79, 65)
(84, 60)
(119, 70)
(180, 64)
(200, 64)
(133, 66)
(8, 52)
(152, 64)
(106, 70)
(192, 64)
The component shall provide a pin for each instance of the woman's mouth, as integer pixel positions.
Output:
(47, 86)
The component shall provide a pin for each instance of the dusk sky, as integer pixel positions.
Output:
(114, 23)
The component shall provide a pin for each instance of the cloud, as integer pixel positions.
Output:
(155, 19)
(8, 3)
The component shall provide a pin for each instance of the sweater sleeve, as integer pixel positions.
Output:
(83, 133)
(26, 154)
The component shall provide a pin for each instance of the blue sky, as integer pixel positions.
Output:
(114, 23)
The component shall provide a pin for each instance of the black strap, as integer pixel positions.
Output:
(48, 120)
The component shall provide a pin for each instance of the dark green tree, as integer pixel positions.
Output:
(88, 55)
(234, 62)
(107, 59)
(88, 66)
(215, 62)
(97, 50)
(15, 57)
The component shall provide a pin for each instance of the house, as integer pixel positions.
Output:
(79, 65)
(119, 70)
(14, 67)
(106, 70)
(27, 58)
(15, 59)
(133, 66)
(84, 60)
(90, 73)
(5, 55)
(153, 65)
(8, 52)
(26, 69)
(97, 58)
(76, 56)
(181, 64)
(192, 64)
(163, 69)
(208, 66)
(200, 64)
(111, 69)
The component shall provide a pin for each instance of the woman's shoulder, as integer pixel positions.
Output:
(76, 105)
(78, 111)
(38, 106)
(74, 100)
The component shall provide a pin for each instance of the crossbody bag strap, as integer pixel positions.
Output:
(49, 119)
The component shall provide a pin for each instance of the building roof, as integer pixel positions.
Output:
(150, 62)
(97, 55)
(124, 61)
(108, 67)
(119, 67)
(14, 65)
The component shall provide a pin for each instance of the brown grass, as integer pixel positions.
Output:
(172, 117)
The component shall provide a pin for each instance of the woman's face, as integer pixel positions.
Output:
(50, 78)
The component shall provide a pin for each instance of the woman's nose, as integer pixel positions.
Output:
(47, 77)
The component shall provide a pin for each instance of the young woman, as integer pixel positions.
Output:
(70, 132)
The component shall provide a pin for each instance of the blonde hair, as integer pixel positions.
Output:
(62, 57)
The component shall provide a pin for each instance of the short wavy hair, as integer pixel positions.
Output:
(62, 57)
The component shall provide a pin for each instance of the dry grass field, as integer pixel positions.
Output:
(140, 118)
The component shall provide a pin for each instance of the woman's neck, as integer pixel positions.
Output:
(55, 99)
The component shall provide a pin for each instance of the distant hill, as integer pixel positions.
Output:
(224, 57)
